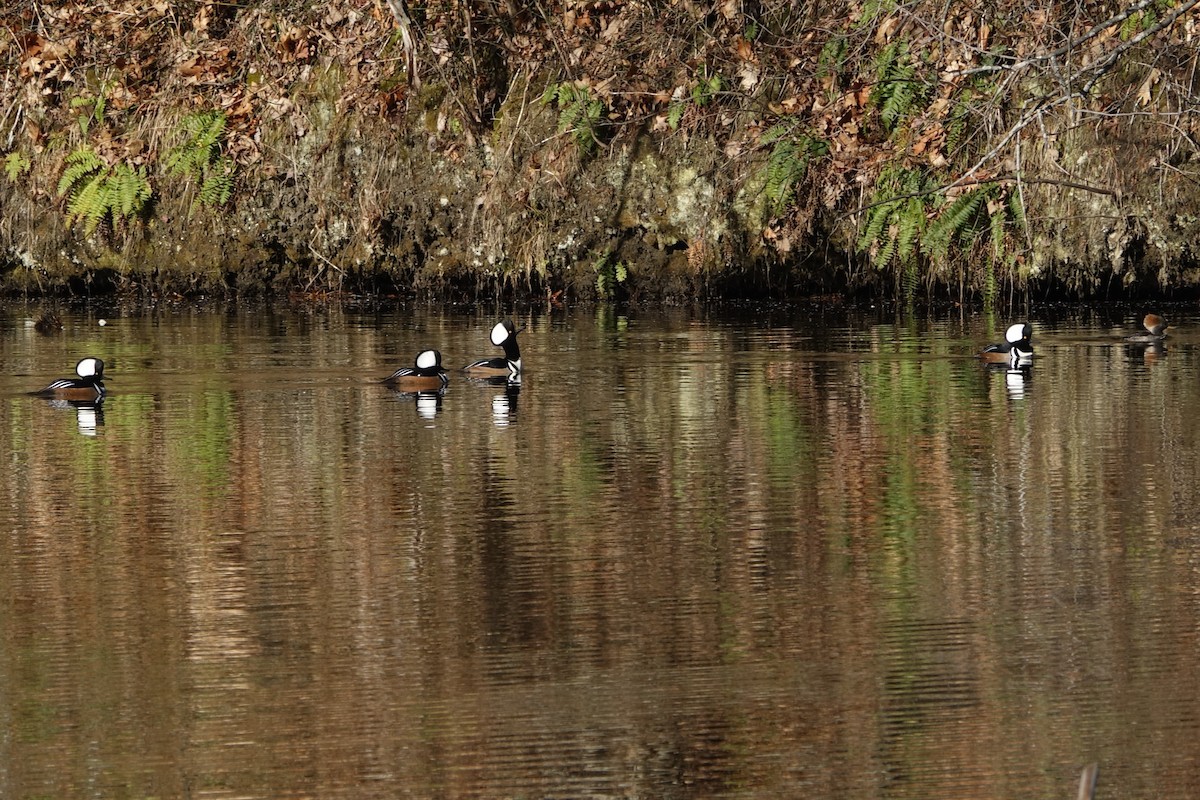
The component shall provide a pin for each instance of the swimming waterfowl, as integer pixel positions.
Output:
(88, 386)
(425, 375)
(1156, 330)
(504, 335)
(1015, 349)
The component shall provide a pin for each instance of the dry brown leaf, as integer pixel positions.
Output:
(1144, 93)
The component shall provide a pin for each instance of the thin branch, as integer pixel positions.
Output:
(410, 46)
(1072, 44)
(1103, 66)
(1018, 180)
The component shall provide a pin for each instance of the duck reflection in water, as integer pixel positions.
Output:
(1018, 380)
(504, 404)
(425, 382)
(89, 414)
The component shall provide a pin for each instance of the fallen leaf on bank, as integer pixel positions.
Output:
(1143, 95)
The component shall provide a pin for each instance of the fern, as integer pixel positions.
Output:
(610, 275)
(578, 113)
(675, 114)
(707, 87)
(896, 222)
(81, 164)
(897, 92)
(833, 57)
(955, 221)
(95, 191)
(199, 158)
(787, 164)
(15, 165)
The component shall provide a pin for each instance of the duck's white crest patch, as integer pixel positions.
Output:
(1015, 333)
(427, 359)
(87, 367)
(499, 334)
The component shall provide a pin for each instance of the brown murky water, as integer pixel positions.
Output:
(775, 553)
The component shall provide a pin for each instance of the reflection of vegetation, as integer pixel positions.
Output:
(201, 444)
(694, 495)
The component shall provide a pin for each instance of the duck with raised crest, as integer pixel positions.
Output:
(1016, 348)
(425, 375)
(88, 386)
(504, 335)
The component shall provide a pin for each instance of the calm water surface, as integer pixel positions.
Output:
(776, 552)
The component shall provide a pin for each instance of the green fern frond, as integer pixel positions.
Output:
(80, 164)
(897, 91)
(833, 56)
(788, 163)
(94, 191)
(1016, 209)
(199, 157)
(216, 190)
(894, 230)
(877, 220)
(775, 133)
(130, 190)
(886, 252)
(578, 113)
(910, 224)
(15, 165)
(90, 203)
(675, 114)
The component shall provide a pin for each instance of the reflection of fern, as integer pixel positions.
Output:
(578, 113)
(199, 158)
(787, 163)
(897, 91)
(95, 191)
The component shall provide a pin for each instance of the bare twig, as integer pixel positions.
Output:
(1018, 180)
(1104, 65)
(404, 23)
(1087, 782)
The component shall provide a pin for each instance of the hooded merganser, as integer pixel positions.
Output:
(88, 386)
(1015, 349)
(1156, 330)
(425, 375)
(504, 334)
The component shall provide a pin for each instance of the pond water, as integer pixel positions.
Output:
(760, 552)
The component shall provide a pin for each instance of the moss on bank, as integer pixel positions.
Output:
(610, 149)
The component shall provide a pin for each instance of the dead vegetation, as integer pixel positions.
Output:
(614, 148)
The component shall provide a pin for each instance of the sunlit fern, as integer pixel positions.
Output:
(199, 157)
(610, 275)
(15, 165)
(578, 113)
(96, 191)
(958, 221)
(787, 164)
(896, 218)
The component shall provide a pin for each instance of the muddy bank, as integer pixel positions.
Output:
(599, 150)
